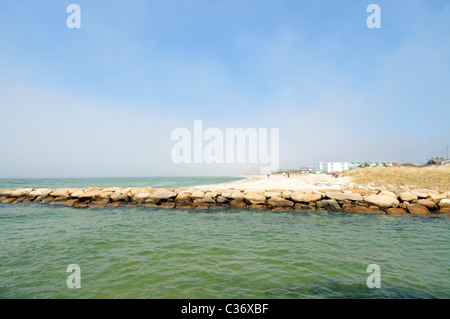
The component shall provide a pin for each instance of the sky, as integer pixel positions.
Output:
(102, 100)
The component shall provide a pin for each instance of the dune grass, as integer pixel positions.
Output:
(435, 177)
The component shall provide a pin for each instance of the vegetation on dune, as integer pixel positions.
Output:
(431, 177)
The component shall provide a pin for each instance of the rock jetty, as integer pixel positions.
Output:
(421, 202)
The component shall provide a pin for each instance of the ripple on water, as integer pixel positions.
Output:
(134, 252)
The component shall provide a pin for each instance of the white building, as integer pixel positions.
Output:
(335, 167)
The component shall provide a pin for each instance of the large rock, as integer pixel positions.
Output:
(388, 193)
(279, 202)
(237, 195)
(255, 198)
(40, 193)
(408, 197)
(62, 192)
(162, 194)
(395, 211)
(116, 197)
(20, 192)
(364, 192)
(383, 201)
(141, 197)
(272, 194)
(344, 196)
(444, 211)
(197, 195)
(305, 198)
(183, 198)
(444, 203)
(353, 208)
(427, 203)
(416, 209)
(90, 194)
(329, 204)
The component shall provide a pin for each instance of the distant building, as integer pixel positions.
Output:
(439, 161)
(335, 167)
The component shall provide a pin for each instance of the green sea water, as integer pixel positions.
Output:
(142, 252)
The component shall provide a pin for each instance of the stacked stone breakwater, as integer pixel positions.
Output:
(350, 200)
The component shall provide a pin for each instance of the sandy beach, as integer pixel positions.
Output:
(280, 181)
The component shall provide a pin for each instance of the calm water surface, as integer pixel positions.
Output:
(137, 252)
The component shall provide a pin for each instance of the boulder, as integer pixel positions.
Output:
(168, 205)
(99, 203)
(117, 197)
(383, 201)
(89, 194)
(197, 195)
(162, 194)
(353, 208)
(329, 204)
(444, 210)
(305, 198)
(364, 192)
(286, 194)
(302, 207)
(204, 203)
(237, 195)
(70, 202)
(427, 203)
(20, 192)
(62, 192)
(114, 204)
(388, 193)
(420, 194)
(9, 200)
(444, 203)
(395, 211)
(141, 197)
(255, 198)
(221, 200)
(344, 196)
(183, 198)
(238, 203)
(272, 194)
(279, 202)
(408, 197)
(77, 194)
(416, 209)
(211, 194)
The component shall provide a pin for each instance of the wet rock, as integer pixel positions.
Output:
(353, 208)
(167, 205)
(275, 202)
(329, 204)
(303, 207)
(395, 211)
(70, 202)
(238, 203)
(444, 211)
(183, 198)
(416, 209)
(9, 200)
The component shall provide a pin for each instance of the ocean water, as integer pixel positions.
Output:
(143, 252)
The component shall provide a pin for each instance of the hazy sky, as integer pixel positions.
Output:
(103, 100)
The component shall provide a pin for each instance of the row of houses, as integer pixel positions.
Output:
(336, 167)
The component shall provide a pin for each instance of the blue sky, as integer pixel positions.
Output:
(102, 100)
